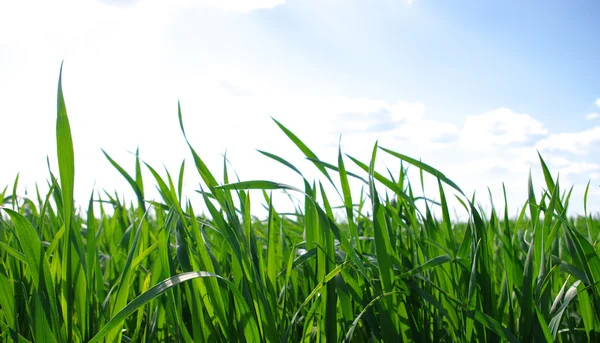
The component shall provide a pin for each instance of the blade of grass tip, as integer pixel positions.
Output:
(180, 181)
(336, 169)
(257, 184)
(549, 181)
(163, 189)
(225, 174)
(585, 197)
(305, 150)
(421, 178)
(588, 218)
(135, 185)
(424, 167)
(3, 195)
(281, 160)
(348, 202)
(66, 167)
(389, 184)
(14, 193)
(206, 175)
(546, 233)
(138, 172)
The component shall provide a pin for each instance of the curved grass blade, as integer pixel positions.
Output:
(257, 184)
(493, 325)
(305, 150)
(386, 182)
(250, 328)
(281, 160)
(424, 167)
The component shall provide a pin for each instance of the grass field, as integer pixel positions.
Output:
(388, 272)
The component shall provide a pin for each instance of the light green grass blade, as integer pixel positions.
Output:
(348, 205)
(386, 182)
(257, 184)
(31, 246)
(66, 167)
(7, 300)
(135, 184)
(305, 150)
(424, 167)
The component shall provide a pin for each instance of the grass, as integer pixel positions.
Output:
(161, 272)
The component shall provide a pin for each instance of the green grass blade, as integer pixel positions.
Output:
(250, 328)
(257, 184)
(305, 150)
(424, 167)
(37, 262)
(66, 167)
(135, 184)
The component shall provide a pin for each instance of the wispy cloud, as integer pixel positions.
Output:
(592, 116)
(573, 142)
(499, 127)
(598, 102)
(402, 121)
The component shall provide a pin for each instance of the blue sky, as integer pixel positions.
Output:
(474, 88)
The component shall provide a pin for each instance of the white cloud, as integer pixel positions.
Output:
(559, 161)
(478, 166)
(574, 142)
(397, 121)
(499, 127)
(598, 102)
(592, 116)
(580, 167)
(409, 2)
(525, 155)
(432, 133)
